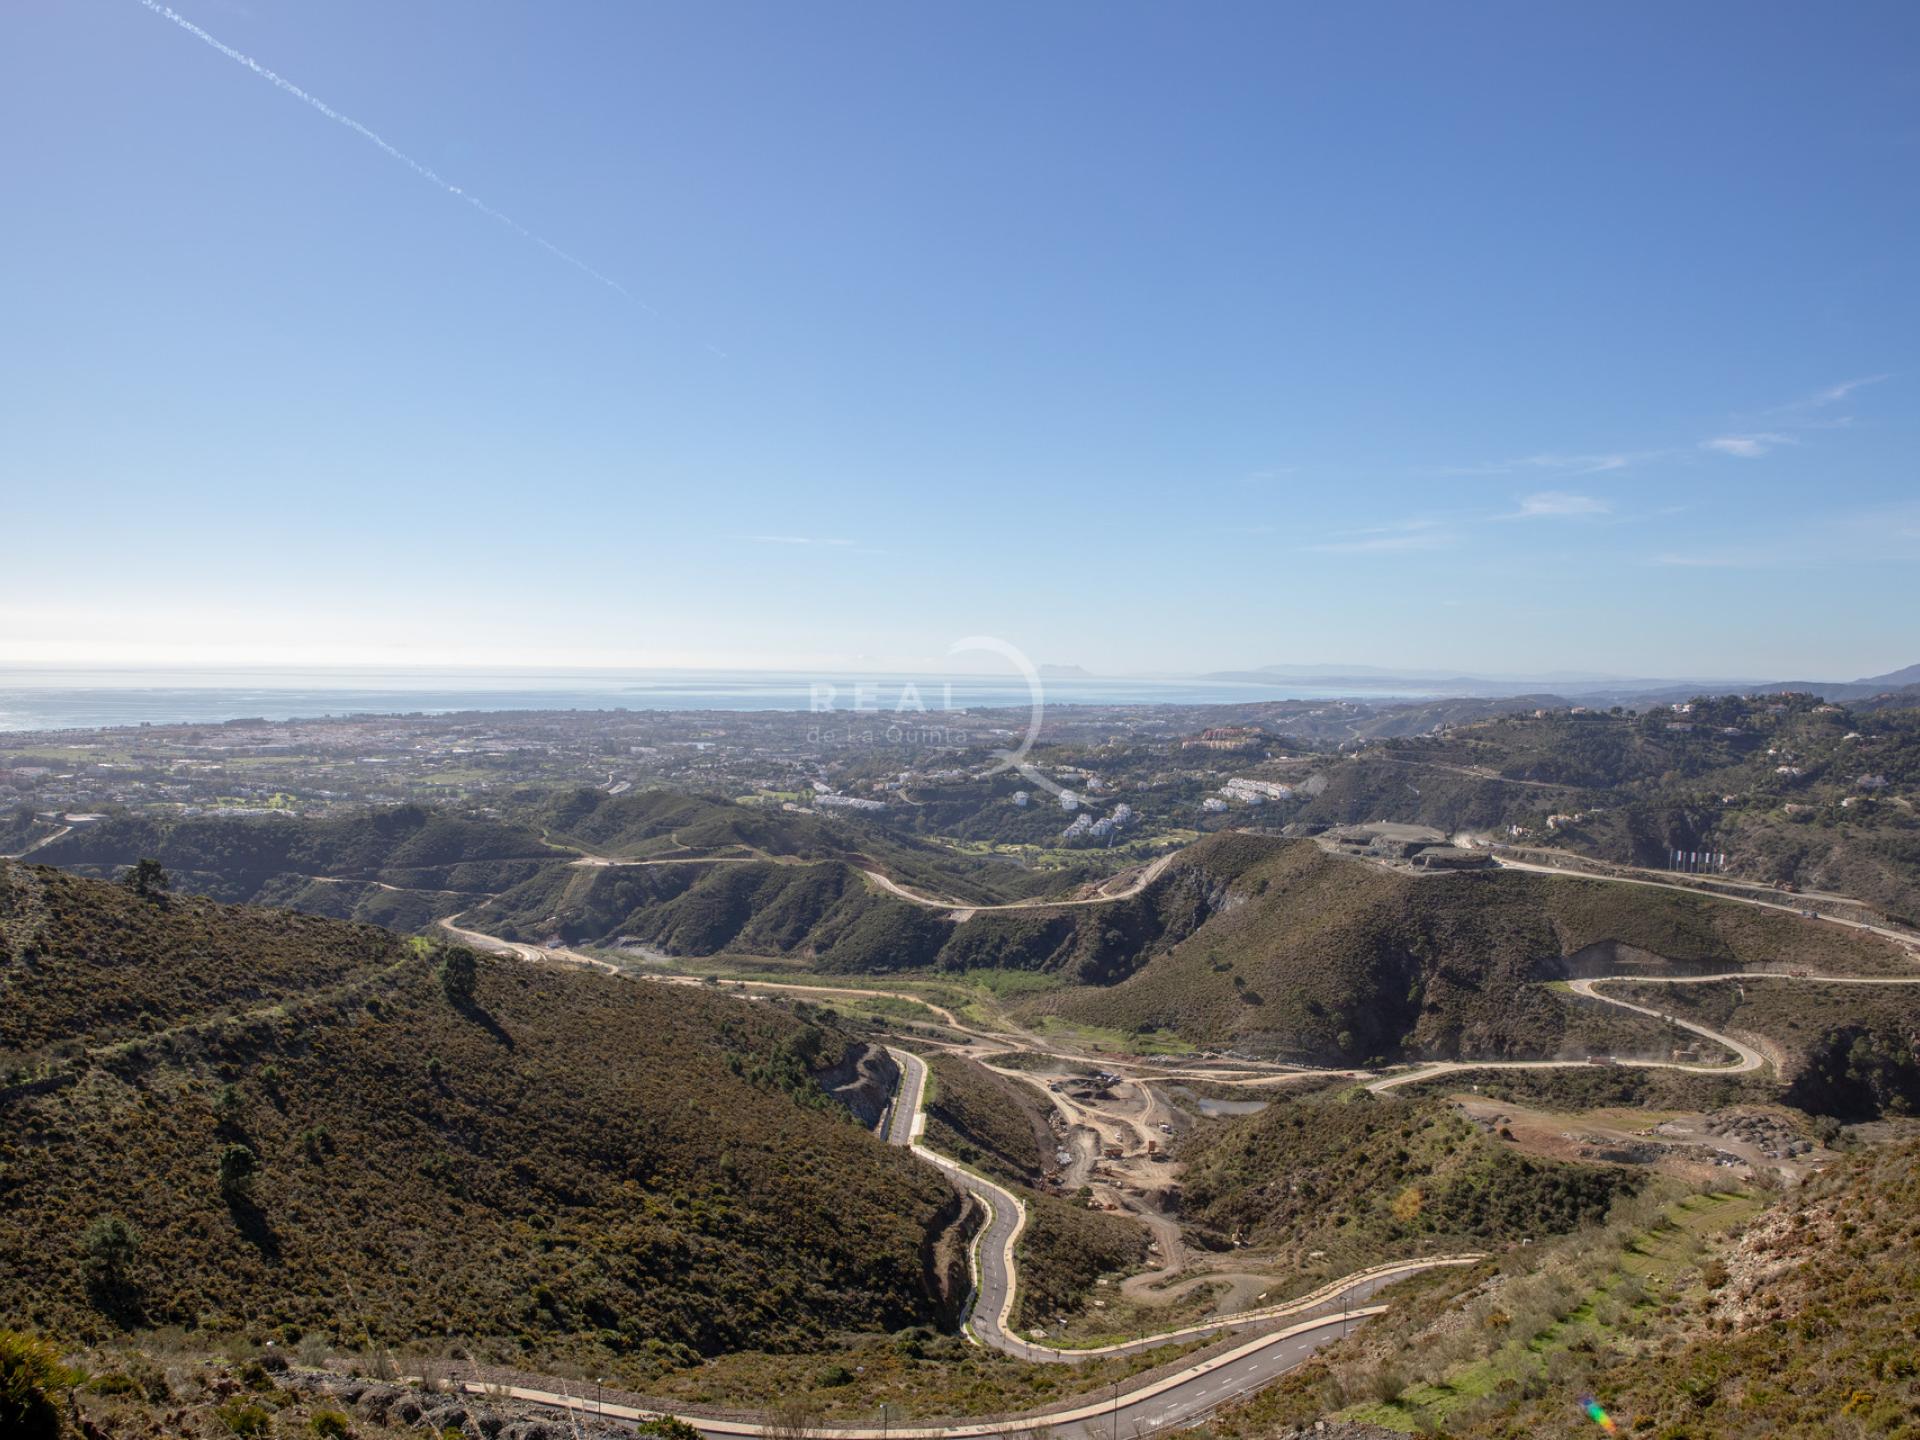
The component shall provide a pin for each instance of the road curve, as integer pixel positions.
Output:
(1131, 1407)
(1193, 1392)
(995, 1272)
(961, 909)
(1749, 1059)
(1180, 1399)
(1905, 939)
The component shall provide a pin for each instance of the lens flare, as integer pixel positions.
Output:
(1597, 1413)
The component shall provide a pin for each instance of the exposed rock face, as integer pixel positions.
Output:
(863, 1079)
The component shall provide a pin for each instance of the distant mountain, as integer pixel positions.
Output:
(1066, 672)
(1893, 679)
(1361, 680)
(1586, 688)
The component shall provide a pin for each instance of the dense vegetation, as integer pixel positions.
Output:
(401, 867)
(1359, 1178)
(1245, 940)
(1792, 790)
(1309, 956)
(278, 1124)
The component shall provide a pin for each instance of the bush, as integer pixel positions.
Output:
(667, 1427)
(329, 1424)
(31, 1377)
(244, 1418)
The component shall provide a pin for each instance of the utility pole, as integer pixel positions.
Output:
(1116, 1410)
(883, 1420)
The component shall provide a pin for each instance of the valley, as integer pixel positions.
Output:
(1173, 1127)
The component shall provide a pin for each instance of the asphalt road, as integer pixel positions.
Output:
(1291, 1333)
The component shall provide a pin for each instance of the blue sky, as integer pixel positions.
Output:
(1496, 336)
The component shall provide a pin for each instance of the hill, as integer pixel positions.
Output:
(403, 866)
(408, 865)
(1715, 1316)
(1297, 953)
(1244, 940)
(1789, 788)
(318, 1127)
(1348, 1181)
(666, 824)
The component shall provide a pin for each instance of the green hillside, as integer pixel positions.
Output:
(313, 1126)
(1717, 1316)
(1302, 954)
(1244, 940)
(401, 867)
(1352, 1180)
(1790, 789)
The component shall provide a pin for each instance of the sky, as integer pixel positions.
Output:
(1496, 337)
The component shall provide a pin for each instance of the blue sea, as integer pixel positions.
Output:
(50, 699)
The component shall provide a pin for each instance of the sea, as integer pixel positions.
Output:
(52, 699)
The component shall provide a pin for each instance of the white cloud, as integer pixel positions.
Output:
(1391, 539)
(1748, 447)
(1568, 464)
(1552, 503)
(1836, 393)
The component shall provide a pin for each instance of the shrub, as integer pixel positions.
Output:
(667, 1427)
(31, 1377)
(329, 1424)
(244, 1418)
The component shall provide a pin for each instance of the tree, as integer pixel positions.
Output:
(458, 971)
(147, 878)
(238, 1167)
(108, 1248)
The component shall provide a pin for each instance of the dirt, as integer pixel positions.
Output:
(1692, 1146)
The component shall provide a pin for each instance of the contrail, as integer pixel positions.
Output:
(424, 172)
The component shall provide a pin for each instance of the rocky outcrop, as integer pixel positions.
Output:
(863, 1079)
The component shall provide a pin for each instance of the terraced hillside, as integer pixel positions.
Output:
(304, 1125)
(1720, 1316)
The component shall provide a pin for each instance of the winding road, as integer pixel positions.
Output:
(1290, 1332)
(962, 910)
(1131, 1408)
